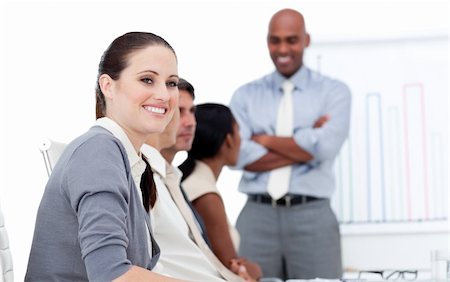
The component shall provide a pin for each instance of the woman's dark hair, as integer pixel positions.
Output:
(115, 59)
(214, 122)
(148, 187)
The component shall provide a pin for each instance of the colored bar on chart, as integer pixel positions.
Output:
(416, 167)
(351, 195)
(438, 200)
(342, 200)
(375, 159)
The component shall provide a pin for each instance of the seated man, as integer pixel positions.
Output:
(185, 253)
(184, 140)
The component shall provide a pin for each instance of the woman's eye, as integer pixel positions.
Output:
(147, 80)
(172, 84)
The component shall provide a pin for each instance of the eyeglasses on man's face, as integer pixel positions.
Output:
(388, 274)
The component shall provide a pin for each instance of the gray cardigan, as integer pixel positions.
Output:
(90, 222)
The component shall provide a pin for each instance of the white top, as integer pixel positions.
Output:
(180, 256)
(202, 181)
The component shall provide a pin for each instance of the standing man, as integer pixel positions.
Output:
(293, 123)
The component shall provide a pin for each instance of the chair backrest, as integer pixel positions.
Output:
(51, 151)
(6, 265)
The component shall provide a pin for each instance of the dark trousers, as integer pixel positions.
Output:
(301, 241)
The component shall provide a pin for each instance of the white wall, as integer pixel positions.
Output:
(49, 53)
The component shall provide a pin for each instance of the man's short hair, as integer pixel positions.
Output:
(183, 84)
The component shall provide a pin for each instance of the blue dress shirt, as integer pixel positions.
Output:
(255, 107)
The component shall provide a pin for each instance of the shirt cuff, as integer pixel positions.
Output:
(308, 139)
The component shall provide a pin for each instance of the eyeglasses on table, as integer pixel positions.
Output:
(388, 274)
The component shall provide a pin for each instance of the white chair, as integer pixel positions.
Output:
(51, 151)
(6, 264)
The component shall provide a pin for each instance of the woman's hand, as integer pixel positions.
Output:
(247, 270)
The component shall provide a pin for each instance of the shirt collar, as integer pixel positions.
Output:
(155, 159)
(159, 164)
(178, 173)
(299, 79)
(136, 163)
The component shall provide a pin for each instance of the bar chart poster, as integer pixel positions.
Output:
(394, 165)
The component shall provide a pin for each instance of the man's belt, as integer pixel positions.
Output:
(286, 201)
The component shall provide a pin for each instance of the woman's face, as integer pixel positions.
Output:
(142, 101)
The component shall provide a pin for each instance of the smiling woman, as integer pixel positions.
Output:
(149, 82)
(92, 211)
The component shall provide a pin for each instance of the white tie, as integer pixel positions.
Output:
(278, 184)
